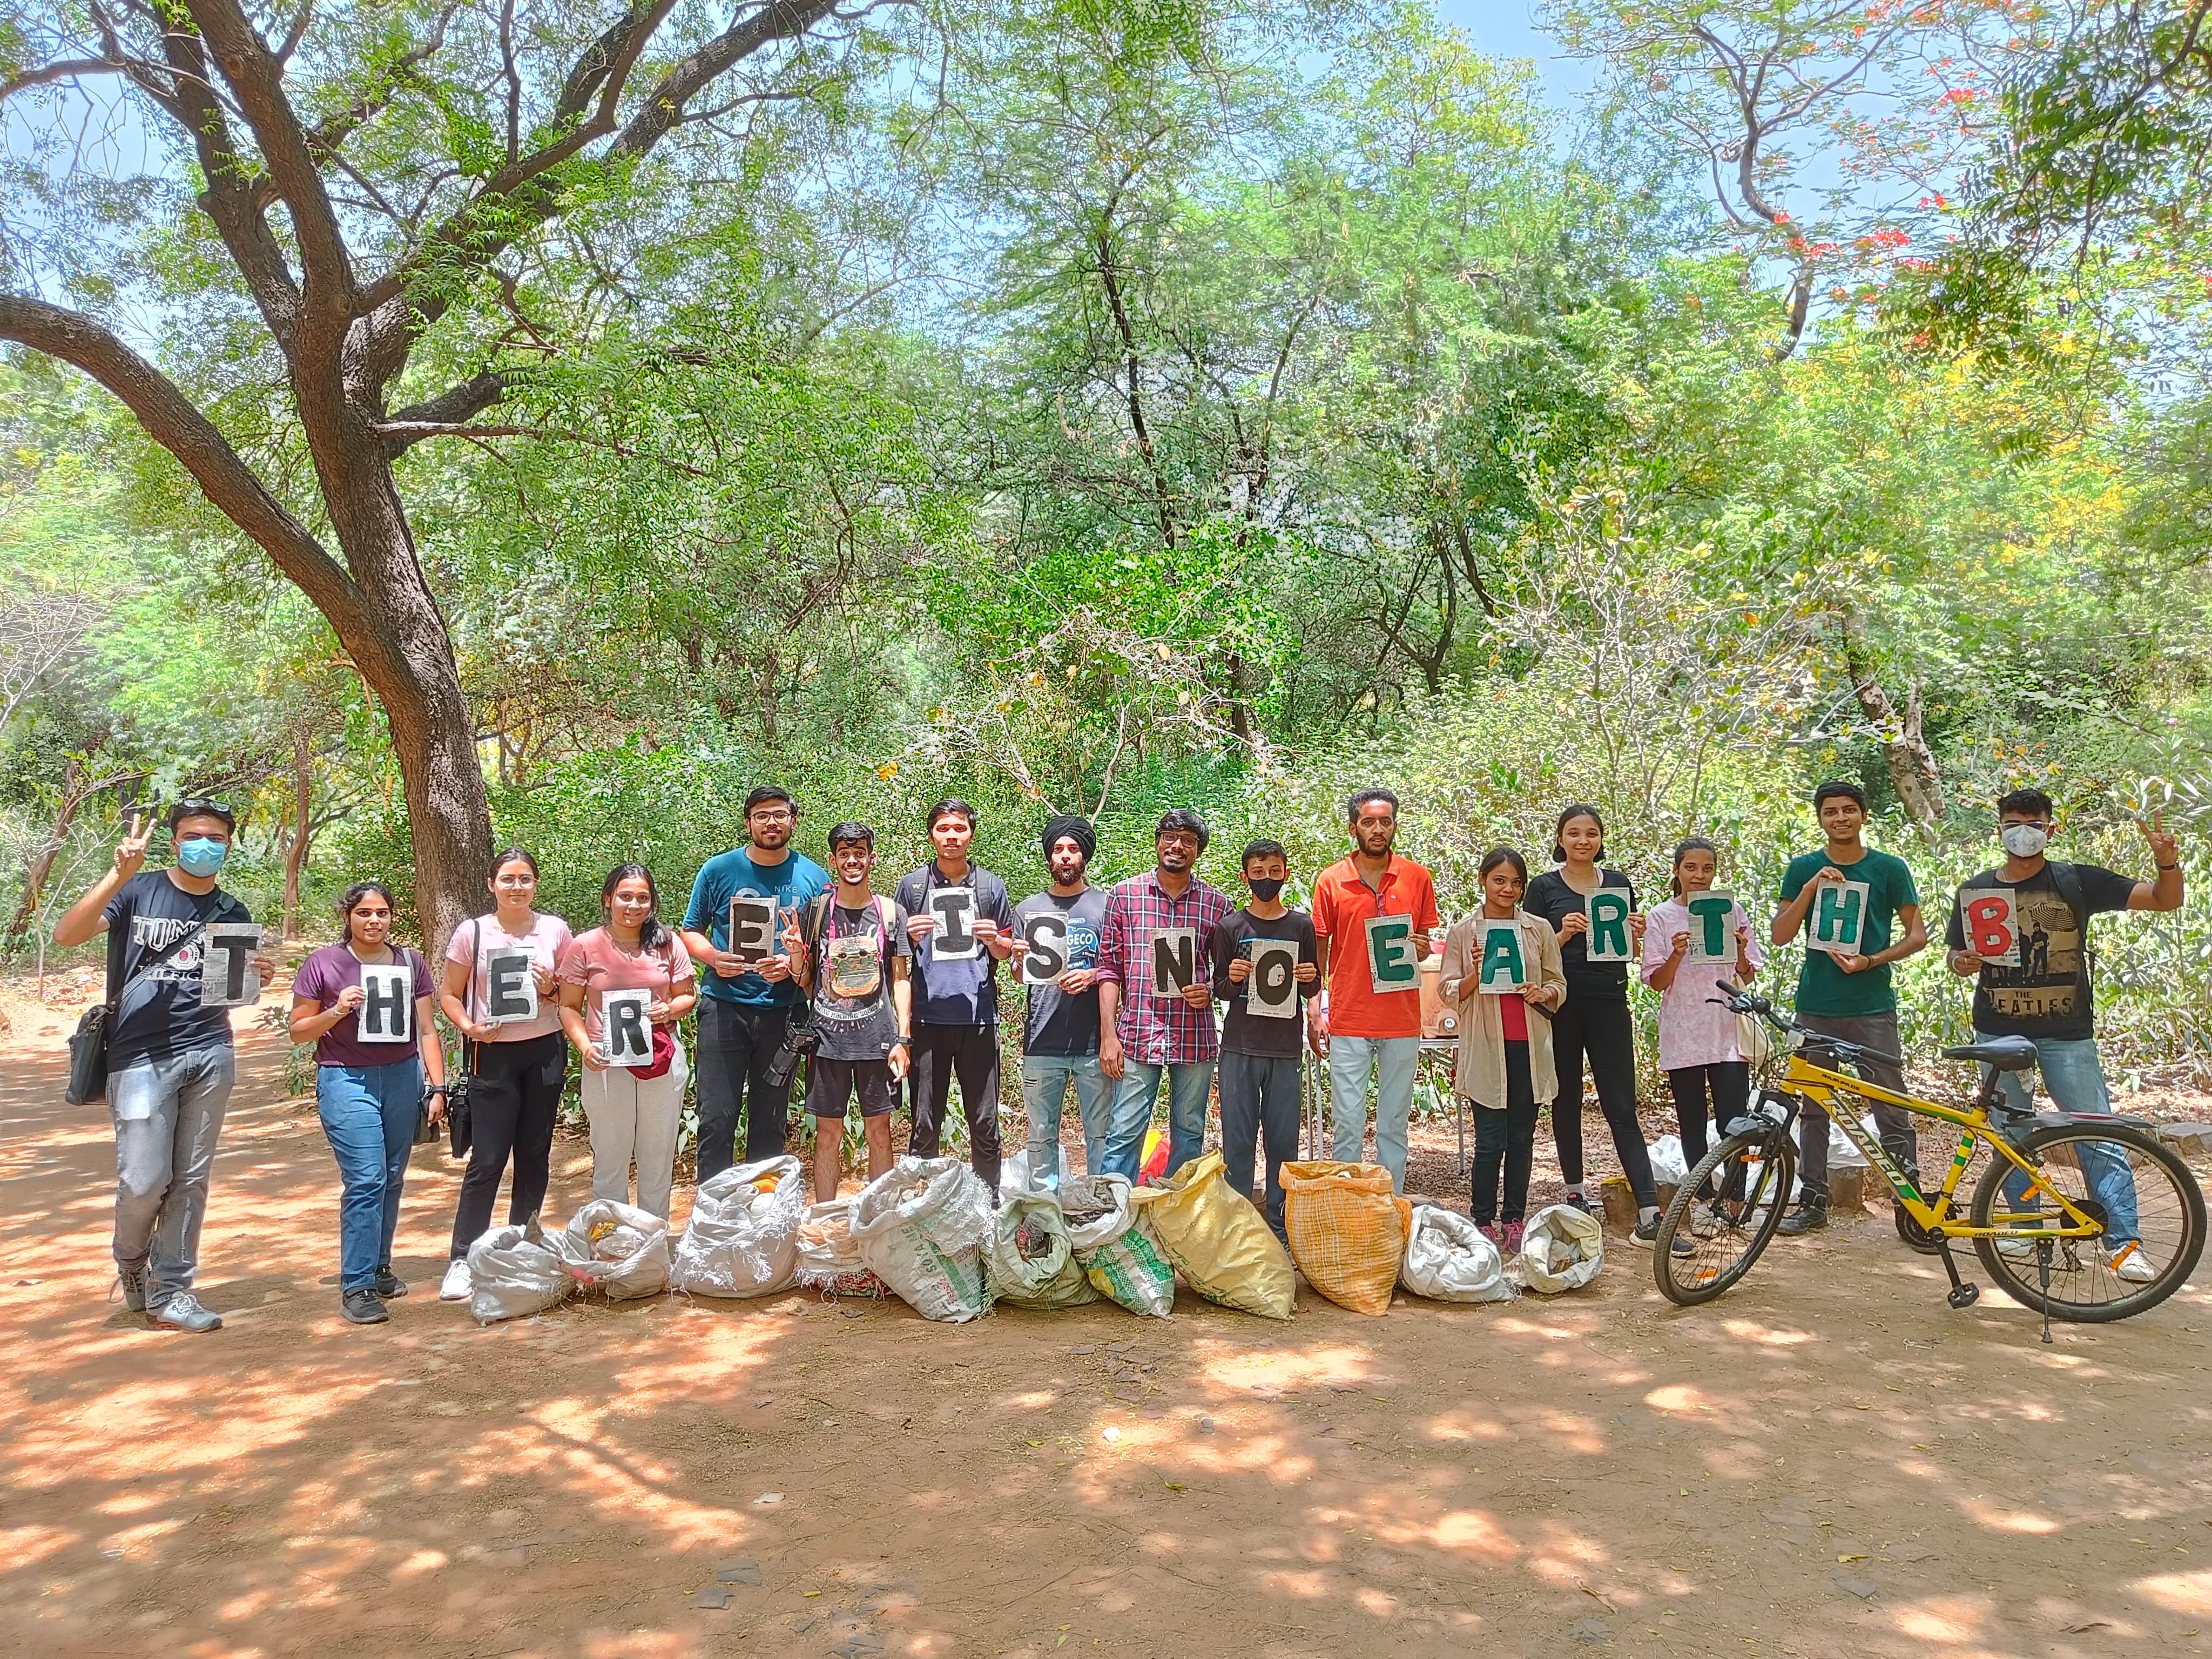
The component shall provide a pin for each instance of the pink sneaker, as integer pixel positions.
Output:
(1513, 1230)
(1489, 1230)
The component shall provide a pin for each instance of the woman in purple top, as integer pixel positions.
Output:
(374, 1045)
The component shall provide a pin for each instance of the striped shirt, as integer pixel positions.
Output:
(1157, 1030)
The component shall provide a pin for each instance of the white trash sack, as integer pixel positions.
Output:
(920, 1228)
(1669, 1167)
(514, 1273)
(618, 1248)
(743, 1238)
(1116, 1253)
(828, 1260)
(1561, 1249)
(1449, 1259)
(1014, 1173)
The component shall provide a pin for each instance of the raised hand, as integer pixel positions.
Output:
(2165, 846)
(130, 851)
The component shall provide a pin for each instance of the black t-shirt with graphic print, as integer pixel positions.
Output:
(161, 1013)
(854, 947)
(2048, 996)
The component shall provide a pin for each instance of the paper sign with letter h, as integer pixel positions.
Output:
(387, 1004)
(1991, 918)
(1837, 921)
(1504, 965)
(1607, 938)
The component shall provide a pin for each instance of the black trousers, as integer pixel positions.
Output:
(736, 1041)
(1507, 1136)
(971, 1053)
(1604, 1033)
(513, 1099)
(1728, 1084)
(1261, 1104)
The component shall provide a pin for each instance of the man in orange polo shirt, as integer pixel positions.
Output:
(1372, 913)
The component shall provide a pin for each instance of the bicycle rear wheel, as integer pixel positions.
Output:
(2106, 1170)
(1744, 1186)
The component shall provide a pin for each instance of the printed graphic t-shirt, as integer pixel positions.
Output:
(1823, 988)
(865, 1025)
(1057, 1023)
(331, 970)
(160, 1015)
(2048, 996)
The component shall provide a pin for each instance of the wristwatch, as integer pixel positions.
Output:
(439, 1089)
(901, 1042)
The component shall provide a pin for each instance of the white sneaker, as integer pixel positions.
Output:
(455, 1287)
(2129, 1263)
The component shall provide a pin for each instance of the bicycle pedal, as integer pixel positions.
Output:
(1965, 1295)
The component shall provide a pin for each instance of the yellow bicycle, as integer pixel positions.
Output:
(2077, 1217)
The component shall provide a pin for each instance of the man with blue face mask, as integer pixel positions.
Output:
(170, 1061)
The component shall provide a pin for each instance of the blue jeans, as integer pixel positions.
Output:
(2075, 1081)
(369, 1113)
(1396, 1060)
(168, 1115)
(1189, 1087)
(1045, 1079)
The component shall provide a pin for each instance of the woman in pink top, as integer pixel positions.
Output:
(636, 1113)
(1698, 1036)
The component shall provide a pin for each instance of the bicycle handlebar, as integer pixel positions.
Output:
(1739, 1000)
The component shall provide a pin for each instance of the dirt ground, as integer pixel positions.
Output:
(1829, 1461)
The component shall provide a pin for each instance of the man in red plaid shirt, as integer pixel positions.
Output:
(1156, 997)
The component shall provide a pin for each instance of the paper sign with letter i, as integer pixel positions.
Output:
(1607, 938)
(510, 987)
(752, 927)
(1392, 963)
(387, 1004)
(228, 979)
(1991, 919)
(1174, 960)
(1711, 912)
(1046, 959)
(953, 909)
(1836, 921)
(1272, 990)
(1503, 966)
(627, 1031)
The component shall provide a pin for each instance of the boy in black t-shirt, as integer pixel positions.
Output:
(1265, 991)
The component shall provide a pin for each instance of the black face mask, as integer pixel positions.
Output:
(1265, 887)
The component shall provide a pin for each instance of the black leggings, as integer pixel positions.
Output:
(971, 1053)
(1729, 1082)
(1604, 1032)
(1509, 1136)
(514, 1100)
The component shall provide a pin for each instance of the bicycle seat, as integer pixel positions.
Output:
(2007, 1054)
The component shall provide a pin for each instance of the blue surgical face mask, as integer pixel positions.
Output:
(202, 855)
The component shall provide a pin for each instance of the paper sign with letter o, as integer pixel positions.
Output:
(1272, 990)
(1174, 960)
(1503, 965)
(510, 987)
(1046, 959)
(1710, 913)
(228, 978)
(1837, 921)
(953, 910)
(626, 1030)
(1991, 919)
(752, 927)
(387, 1004)
(1393, 964)
(1607, 938)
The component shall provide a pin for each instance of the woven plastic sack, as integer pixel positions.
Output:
(1449, 1259)
(1031, 1262)
(1347, 1231)
(922, 1227)
(1562, 1249)
(1116, 1255)
(617, 1248)
(514, 1272)
(828, 1260)
(1668, 1166)
(1219, 1242)
(743, 1238)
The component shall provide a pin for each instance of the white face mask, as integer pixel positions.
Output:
(2024, 840)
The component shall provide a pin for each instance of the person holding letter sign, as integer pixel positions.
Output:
(2031, 964)
(1502, 968)
(1057, 934)
(1373, 913)
(366, 1005)
(1266, 962)
(170, 1064)
(1693, 941)
(1847, 899)
(1156, 999)
(636, 1112)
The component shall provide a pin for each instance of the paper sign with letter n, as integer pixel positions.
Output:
(510, 987)
(228, 979)
(628, 1031)
(953, 909)
(1991, 918)
(1272, 992)
(1046, 959)
(1836, 921)
(1174, 960)
(1504, 967)
(1709, 912)
(1607, 938)
(752, 927)
(1392, 963)
(387, 1004)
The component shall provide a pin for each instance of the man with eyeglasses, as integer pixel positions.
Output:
(170, 1063)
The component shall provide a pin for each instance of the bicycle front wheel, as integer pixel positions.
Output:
(1727, 1209)
(2137, 1187)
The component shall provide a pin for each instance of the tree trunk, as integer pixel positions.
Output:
(78, 786)
(303, 829)
(1905, 749)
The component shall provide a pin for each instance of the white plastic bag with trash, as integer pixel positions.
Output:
(1669, 1168)
(618, 1248)
(1014, 1173)
(922, 1228)
(1561, 1249)
(1114, 1250)
(828, 1260)
(1449, 1259)
(743, 1237)
(1842, 1152)
(1030, 1261)
(514, 1273)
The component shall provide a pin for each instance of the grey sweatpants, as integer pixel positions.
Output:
(167, 1115)
(1892, 1123)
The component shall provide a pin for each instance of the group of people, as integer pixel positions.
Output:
(899, 994)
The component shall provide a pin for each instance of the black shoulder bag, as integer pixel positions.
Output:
(459, 1130)
(88, 1070)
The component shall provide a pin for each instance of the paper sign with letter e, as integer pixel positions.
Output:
(510, 987)
(627, 1033)
(1991, 919)
(752, 928)
(1709, 912)
(387, 1004)
(1392, 961)
(1174, 960)
(953, 910)
(1046, 959)
(1272, 990)
(1836, 921)
(1503, 966)
(1607, 938)
(228, 979)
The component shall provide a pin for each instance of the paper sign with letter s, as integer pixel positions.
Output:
(1270, 991)
(387, 1004)
(1393, 964)
(1607, 938)
(1711, 912)
(953, 910)
(227, 977)
(1503, 963)
(626, 1030)
(1991, 919)
(1837, 921)
(1046, 959)
(1174, 960)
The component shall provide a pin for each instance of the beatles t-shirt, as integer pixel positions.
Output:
(2048, 996)
(1058, 1023)
(855, 1017)
(161, 1014)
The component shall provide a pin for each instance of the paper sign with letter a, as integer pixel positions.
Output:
(628, 1031)
(1503, 966)
(1709, 912)
(1607, 938)
(510, 988)
(1174, 960)
(1838, 919)
(1991, 918)
(953, 909)
(1272, 992)
(1392, 963)
(752, 927)
(228, 979)
(387, 1004)
(1046, 959)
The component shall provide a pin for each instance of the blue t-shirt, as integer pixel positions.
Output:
(794, 884)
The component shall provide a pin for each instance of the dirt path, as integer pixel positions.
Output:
(1831, 1460)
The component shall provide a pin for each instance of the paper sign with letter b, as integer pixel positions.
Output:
(1503, 966)
(752, 927)
(510, 988)
(1392, 963)
(1837, 921)
(953, 909)
(1272, 990)
(1607, 938)
(228, 979)
(387, 1004)
(1991, 918)
(1046, 959)
(1174, 960)
(629, 1032)
(1710, 913)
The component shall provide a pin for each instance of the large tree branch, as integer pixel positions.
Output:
(448, 409)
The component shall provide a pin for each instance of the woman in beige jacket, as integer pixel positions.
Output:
(1506, 1069)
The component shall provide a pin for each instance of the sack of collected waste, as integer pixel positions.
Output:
(514, 1272)
(1561, 1249)
(617, 1248)
(1031, 1260)
(1219, 1242)
(1116, 1255)
(1449, 1259)
(1347, 1231)
(743, 1237)
(922, 1227)
(828, 1260)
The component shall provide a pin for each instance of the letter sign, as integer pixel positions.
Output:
(953, 908)
(1990, 917)
(752, 927)
(1046, 959)
(1174, 960)
(228, 978)
(387, 1004)
(1272, 990)
(627, 1033)
(1607, 938)
(1838, 919)
(1503, 966)
(1709, 912)
(510, 988)
(1392, 963)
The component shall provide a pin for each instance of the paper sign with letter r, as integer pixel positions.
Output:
(752, 927)
(387, 1004)
(510, 987)
(1607, 938)
(953, 910)
(1272, 990)
(1174, 960)
(1393, 964)
(228, 979)
(1710, 913)
(1504, 967)
(1046, 959)
(1991, 919)
(1837, 921)
(628, 1031)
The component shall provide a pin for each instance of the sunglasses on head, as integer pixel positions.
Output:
(193, 806)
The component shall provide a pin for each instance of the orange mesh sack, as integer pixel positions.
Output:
(1347, 1231)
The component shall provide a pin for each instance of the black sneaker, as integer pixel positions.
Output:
(362, 1307)
(1807, 1218)
(390, 1285)
(1576, 1201)
(1646, 1233)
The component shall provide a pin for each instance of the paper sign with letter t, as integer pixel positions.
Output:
(1392, 963)
(1504, 963)
(1709, 912)
(1607, 938)
(228, 978)
(1837, 921)
(1991, 918)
